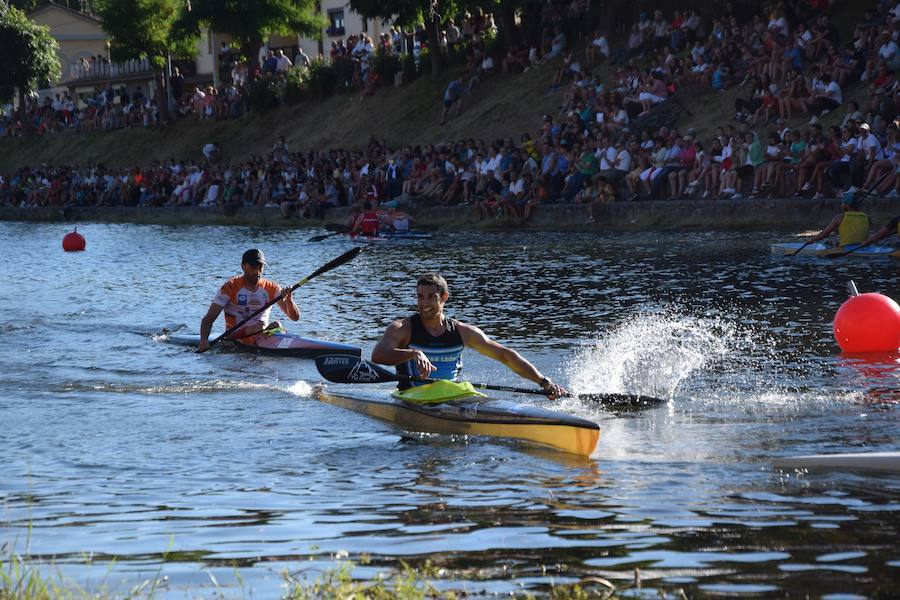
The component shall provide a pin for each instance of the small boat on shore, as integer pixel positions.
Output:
(859, 461)
(820, 249)
(476, 415)
(278, 344)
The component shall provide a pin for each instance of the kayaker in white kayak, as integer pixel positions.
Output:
(430, 344)
(242, 295)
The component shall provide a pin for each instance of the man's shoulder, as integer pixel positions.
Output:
(233, 284)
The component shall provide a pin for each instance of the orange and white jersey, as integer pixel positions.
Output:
(238, 302)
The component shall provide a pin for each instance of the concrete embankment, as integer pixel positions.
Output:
(690, 215)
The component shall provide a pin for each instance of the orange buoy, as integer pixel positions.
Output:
(74, 242)
(868, 323)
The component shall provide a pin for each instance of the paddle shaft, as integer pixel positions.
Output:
(319, 238)
(800, 249)
(481, 386)
(343, 258)
(839, 254)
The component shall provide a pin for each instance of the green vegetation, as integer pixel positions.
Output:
(144, 29)
(29, 56)
(250, 22)
(20, 581)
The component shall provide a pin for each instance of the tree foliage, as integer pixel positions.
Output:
(250, 22)
(409, 13)
(29, 57)
(145, 29)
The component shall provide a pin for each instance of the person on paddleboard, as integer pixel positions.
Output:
(367, 224)
(852, 226)
(430, 345)
(244, 294)
(892, 227)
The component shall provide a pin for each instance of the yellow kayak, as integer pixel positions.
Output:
(476, 415)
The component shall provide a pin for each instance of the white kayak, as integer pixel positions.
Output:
(860, 461)
(824, 249)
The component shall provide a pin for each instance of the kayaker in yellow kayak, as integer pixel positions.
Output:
(242, 295)
(430, 345)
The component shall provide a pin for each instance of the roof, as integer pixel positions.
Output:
(53, 6)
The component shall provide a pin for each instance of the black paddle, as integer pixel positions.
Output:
(343, 258)
(800, 249)
(334, 228)
(344, 368)
(839, 254)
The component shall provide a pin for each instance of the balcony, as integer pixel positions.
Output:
(102, 71)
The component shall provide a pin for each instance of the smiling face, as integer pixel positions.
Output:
(430, 301)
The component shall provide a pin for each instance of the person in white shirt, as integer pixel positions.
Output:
(283, 62)
(301, 59)
(824, 102)
(598, 49)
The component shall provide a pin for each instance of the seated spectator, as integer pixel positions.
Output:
(826, 100)
(516, 60)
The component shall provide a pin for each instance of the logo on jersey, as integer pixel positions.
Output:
(242, 299)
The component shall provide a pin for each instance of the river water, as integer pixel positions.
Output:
(129, 460)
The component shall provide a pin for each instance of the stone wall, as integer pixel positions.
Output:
(747, 214)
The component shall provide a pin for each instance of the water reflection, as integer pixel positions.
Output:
(156, 461)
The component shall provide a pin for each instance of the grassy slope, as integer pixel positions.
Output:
(500, 107)
(503, 106)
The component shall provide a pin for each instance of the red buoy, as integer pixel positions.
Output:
(74, 242)
(868, 323)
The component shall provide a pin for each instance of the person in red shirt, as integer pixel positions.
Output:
(243, 295)
(367, 223)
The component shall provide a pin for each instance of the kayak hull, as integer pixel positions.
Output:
(861, 461)
(480, 416)
(279, 344)
(394, 235)
(820, 249)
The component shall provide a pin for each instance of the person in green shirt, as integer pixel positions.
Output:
(585, 168)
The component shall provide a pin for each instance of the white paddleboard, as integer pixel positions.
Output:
(861, 461)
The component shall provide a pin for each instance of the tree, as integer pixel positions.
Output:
(250, 22)
(144, 29)
(29, 57)
(409, 13)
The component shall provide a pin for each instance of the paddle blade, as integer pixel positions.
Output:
(622, 401)
(319, 238)
(346, 368)
(343, 258)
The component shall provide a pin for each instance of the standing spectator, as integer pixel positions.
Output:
(452, 95)
(301, 59)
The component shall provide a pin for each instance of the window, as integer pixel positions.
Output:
(336, 22)
(365, 25)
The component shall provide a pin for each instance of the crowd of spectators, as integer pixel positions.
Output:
(787, 61)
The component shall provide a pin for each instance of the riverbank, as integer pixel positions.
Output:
(688, 215)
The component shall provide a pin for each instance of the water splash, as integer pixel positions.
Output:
(300, 389)
(650, 353)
